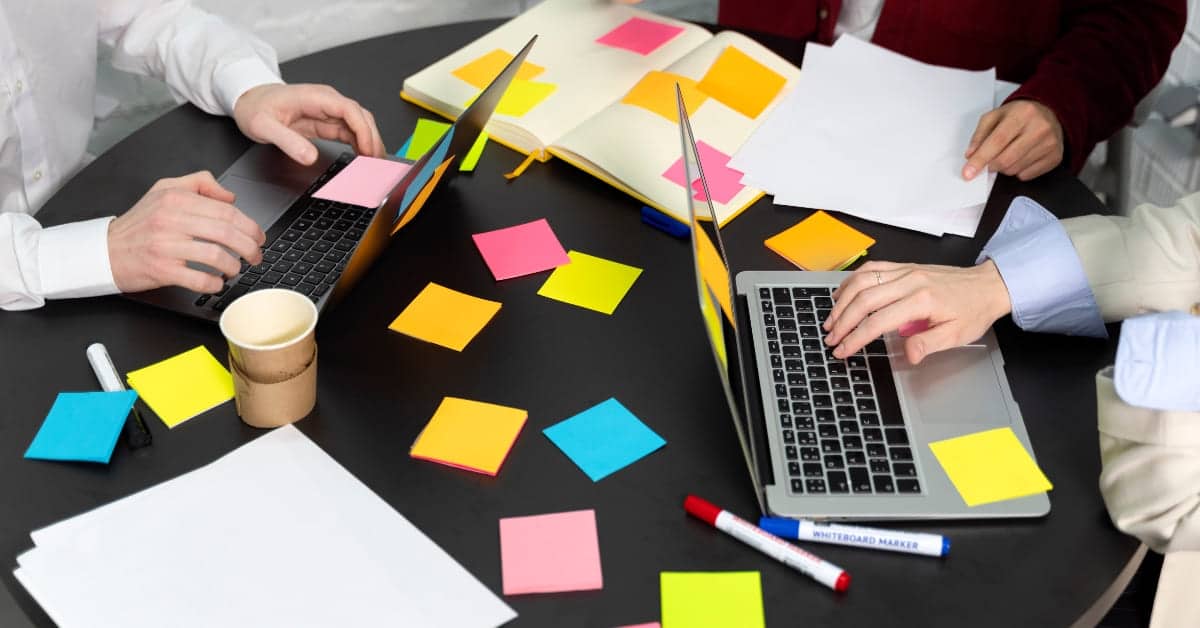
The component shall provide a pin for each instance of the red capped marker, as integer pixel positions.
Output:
(824, 572)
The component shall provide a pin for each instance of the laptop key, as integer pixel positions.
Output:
(846, 412)
(848, 427)
(868, 418)
(282, 266)
(825, 416)
(820, 387)
(335, 255)
(880, 466)
(813, 470)
(876, 450)
(794, 468)
(764, 293)
(856, 362)
(782, 404)
(810, 454)
(843, 397)
(900, 454)
(806, 318)
(815, 486)
(793, 365)
(831, 447)
(809, 331)
(291, 279)
(827, 431)
(838, 482)
(290, 235)
(203, 299)
(324, 224)
(796, 379)
(312, 257)
(304, 288)
(272, 277)
(800, 407)
(863, 390)
(908, 485)
(785, 312)
(790, 452)
(768, 319)
(804, 306)
(883, 484)
(905, 469)
(248, 280)
(859, 376)
(856, 457)
(838, 383)
(814, 359)
(776, 361)
(777, 376)
(303, 244)
(322, 246)
(834, 461)
(791, 351)
(865, 405)
(781, 294)
(230, 297)
(270, 257)
(293, 256)
(822, 401)
(806, 436)
(789, 338)
(343, 224)
(872, 435)
(837, 368)
(896, 436)
(860, 480)
(816, 372)
(785, 420)
(823, 302)
(789, 437)
(281, 246)
(798, 393)
(811, 344)
(302, 268)
(787, 324)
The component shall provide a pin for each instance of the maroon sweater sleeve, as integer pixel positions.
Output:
(1110, 54)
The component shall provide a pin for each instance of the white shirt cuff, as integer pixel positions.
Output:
(73, 260)
(239, 77)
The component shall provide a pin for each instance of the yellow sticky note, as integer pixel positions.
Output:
(422, 196)
(482, 71)
(656, 92)
(990, 466)
(472, 159)
(445, 317)
(712, 321)
(469, 435)
(183, 386)
(714, 271)
(820, 242)
(521, 97)
(590, 282)
(695, 599)
(741, 83)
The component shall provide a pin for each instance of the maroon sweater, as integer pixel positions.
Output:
(1089, 61)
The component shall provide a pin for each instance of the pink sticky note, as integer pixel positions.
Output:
(366, 181)
(640, 36)
(912, 328)
(550, 553)
(521, 250)
(724, 182)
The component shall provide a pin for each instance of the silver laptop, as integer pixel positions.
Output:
(318, 247)
(839, 439)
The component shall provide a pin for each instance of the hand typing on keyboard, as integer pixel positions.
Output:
(960, 304)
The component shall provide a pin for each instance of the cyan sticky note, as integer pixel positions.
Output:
(604, 439)
(82, 426)
(415, 186)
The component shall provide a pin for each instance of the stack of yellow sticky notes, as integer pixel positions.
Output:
(820, 242)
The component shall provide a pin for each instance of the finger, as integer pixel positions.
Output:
(226, 213)
(226, 235)
(334, 105)
(212, 255)
(326, 130)
(987, 122)
(190, 278)
(939, 338)
(1005, 132)
(294, 145)
(855, 285)
(867, 303)
(1040, 167)
(1034, 155)
(206, 185)
(871, 267)
(881, 322)
(1014, 157)
(380, 151)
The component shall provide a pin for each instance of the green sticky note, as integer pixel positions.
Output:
(697, 599)
(590, 282)
(472, 158)
(424, 137)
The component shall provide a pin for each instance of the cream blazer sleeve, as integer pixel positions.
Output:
(1148, 261)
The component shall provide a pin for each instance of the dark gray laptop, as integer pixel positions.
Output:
(839, 439)
(318, 247)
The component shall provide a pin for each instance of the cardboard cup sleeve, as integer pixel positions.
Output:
(273, 405)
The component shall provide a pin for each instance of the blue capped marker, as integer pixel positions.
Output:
(857, 536)
(664, 223)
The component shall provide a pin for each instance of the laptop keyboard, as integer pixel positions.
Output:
(306, 249)
(840, 421)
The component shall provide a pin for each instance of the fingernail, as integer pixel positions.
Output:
(969, 172)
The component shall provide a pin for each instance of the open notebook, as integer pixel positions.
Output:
(598, 91)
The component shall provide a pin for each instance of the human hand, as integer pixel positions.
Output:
(958, 303)
(289, 115)
(1021, 138)
(188, 219)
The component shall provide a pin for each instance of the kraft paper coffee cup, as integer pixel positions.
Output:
(271, 334)
(273, 405)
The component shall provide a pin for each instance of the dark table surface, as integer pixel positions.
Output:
(377, 388)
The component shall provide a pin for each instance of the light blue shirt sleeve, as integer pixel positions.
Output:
(1045, 279)
(1158, 362)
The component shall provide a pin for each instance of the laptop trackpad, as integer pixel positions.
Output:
(262, 202)
(958, 386)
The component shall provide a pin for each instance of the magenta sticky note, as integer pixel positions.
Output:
(640, 36)
(724, 182)
(550, 553)
(521, 250)
(365, 181)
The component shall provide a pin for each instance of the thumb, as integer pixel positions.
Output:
(204, 184)
(271, 131)
(932, 340)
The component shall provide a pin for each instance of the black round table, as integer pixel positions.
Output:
(378, 389)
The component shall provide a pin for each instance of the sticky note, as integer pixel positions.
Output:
(417, 185)
(723, 182)
(640, 35)
(424, 137)
(741, 83)
(365, 182)
(820, 242)
(521, 250)
(183, 386)
(521, 97)
(407, 215)
(714, 271)
(656, 92)
(482, 71)
(472, 159)
(694, 599)
(590, 282)
(990, 466)
(82, 426)
(470, 435)
(712, 323)
(445, 317)
(604, 439)
(550, 553)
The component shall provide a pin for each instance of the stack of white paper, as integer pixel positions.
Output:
(877, 135)
(276, 533)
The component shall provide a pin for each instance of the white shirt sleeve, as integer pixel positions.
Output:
(202, 58)
(61, 262)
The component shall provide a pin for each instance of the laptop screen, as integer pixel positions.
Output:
(714, 288)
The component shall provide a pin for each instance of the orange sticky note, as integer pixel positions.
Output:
(470, 435)
(656, 92)
(713, 270)
(741, 83)
(820, 242)
(422, 196)
(482, 71)
(445, 317)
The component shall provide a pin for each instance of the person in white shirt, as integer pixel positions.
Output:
(48, 51)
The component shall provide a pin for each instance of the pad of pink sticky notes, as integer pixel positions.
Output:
(640, 35)
(521, 250)
(365, 182)
(550, 553)
(723, 182)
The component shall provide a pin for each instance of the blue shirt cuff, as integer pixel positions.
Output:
(1158, 362)
(1046, 281)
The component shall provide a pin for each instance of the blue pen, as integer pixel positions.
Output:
(664, 223)
(857, 536)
